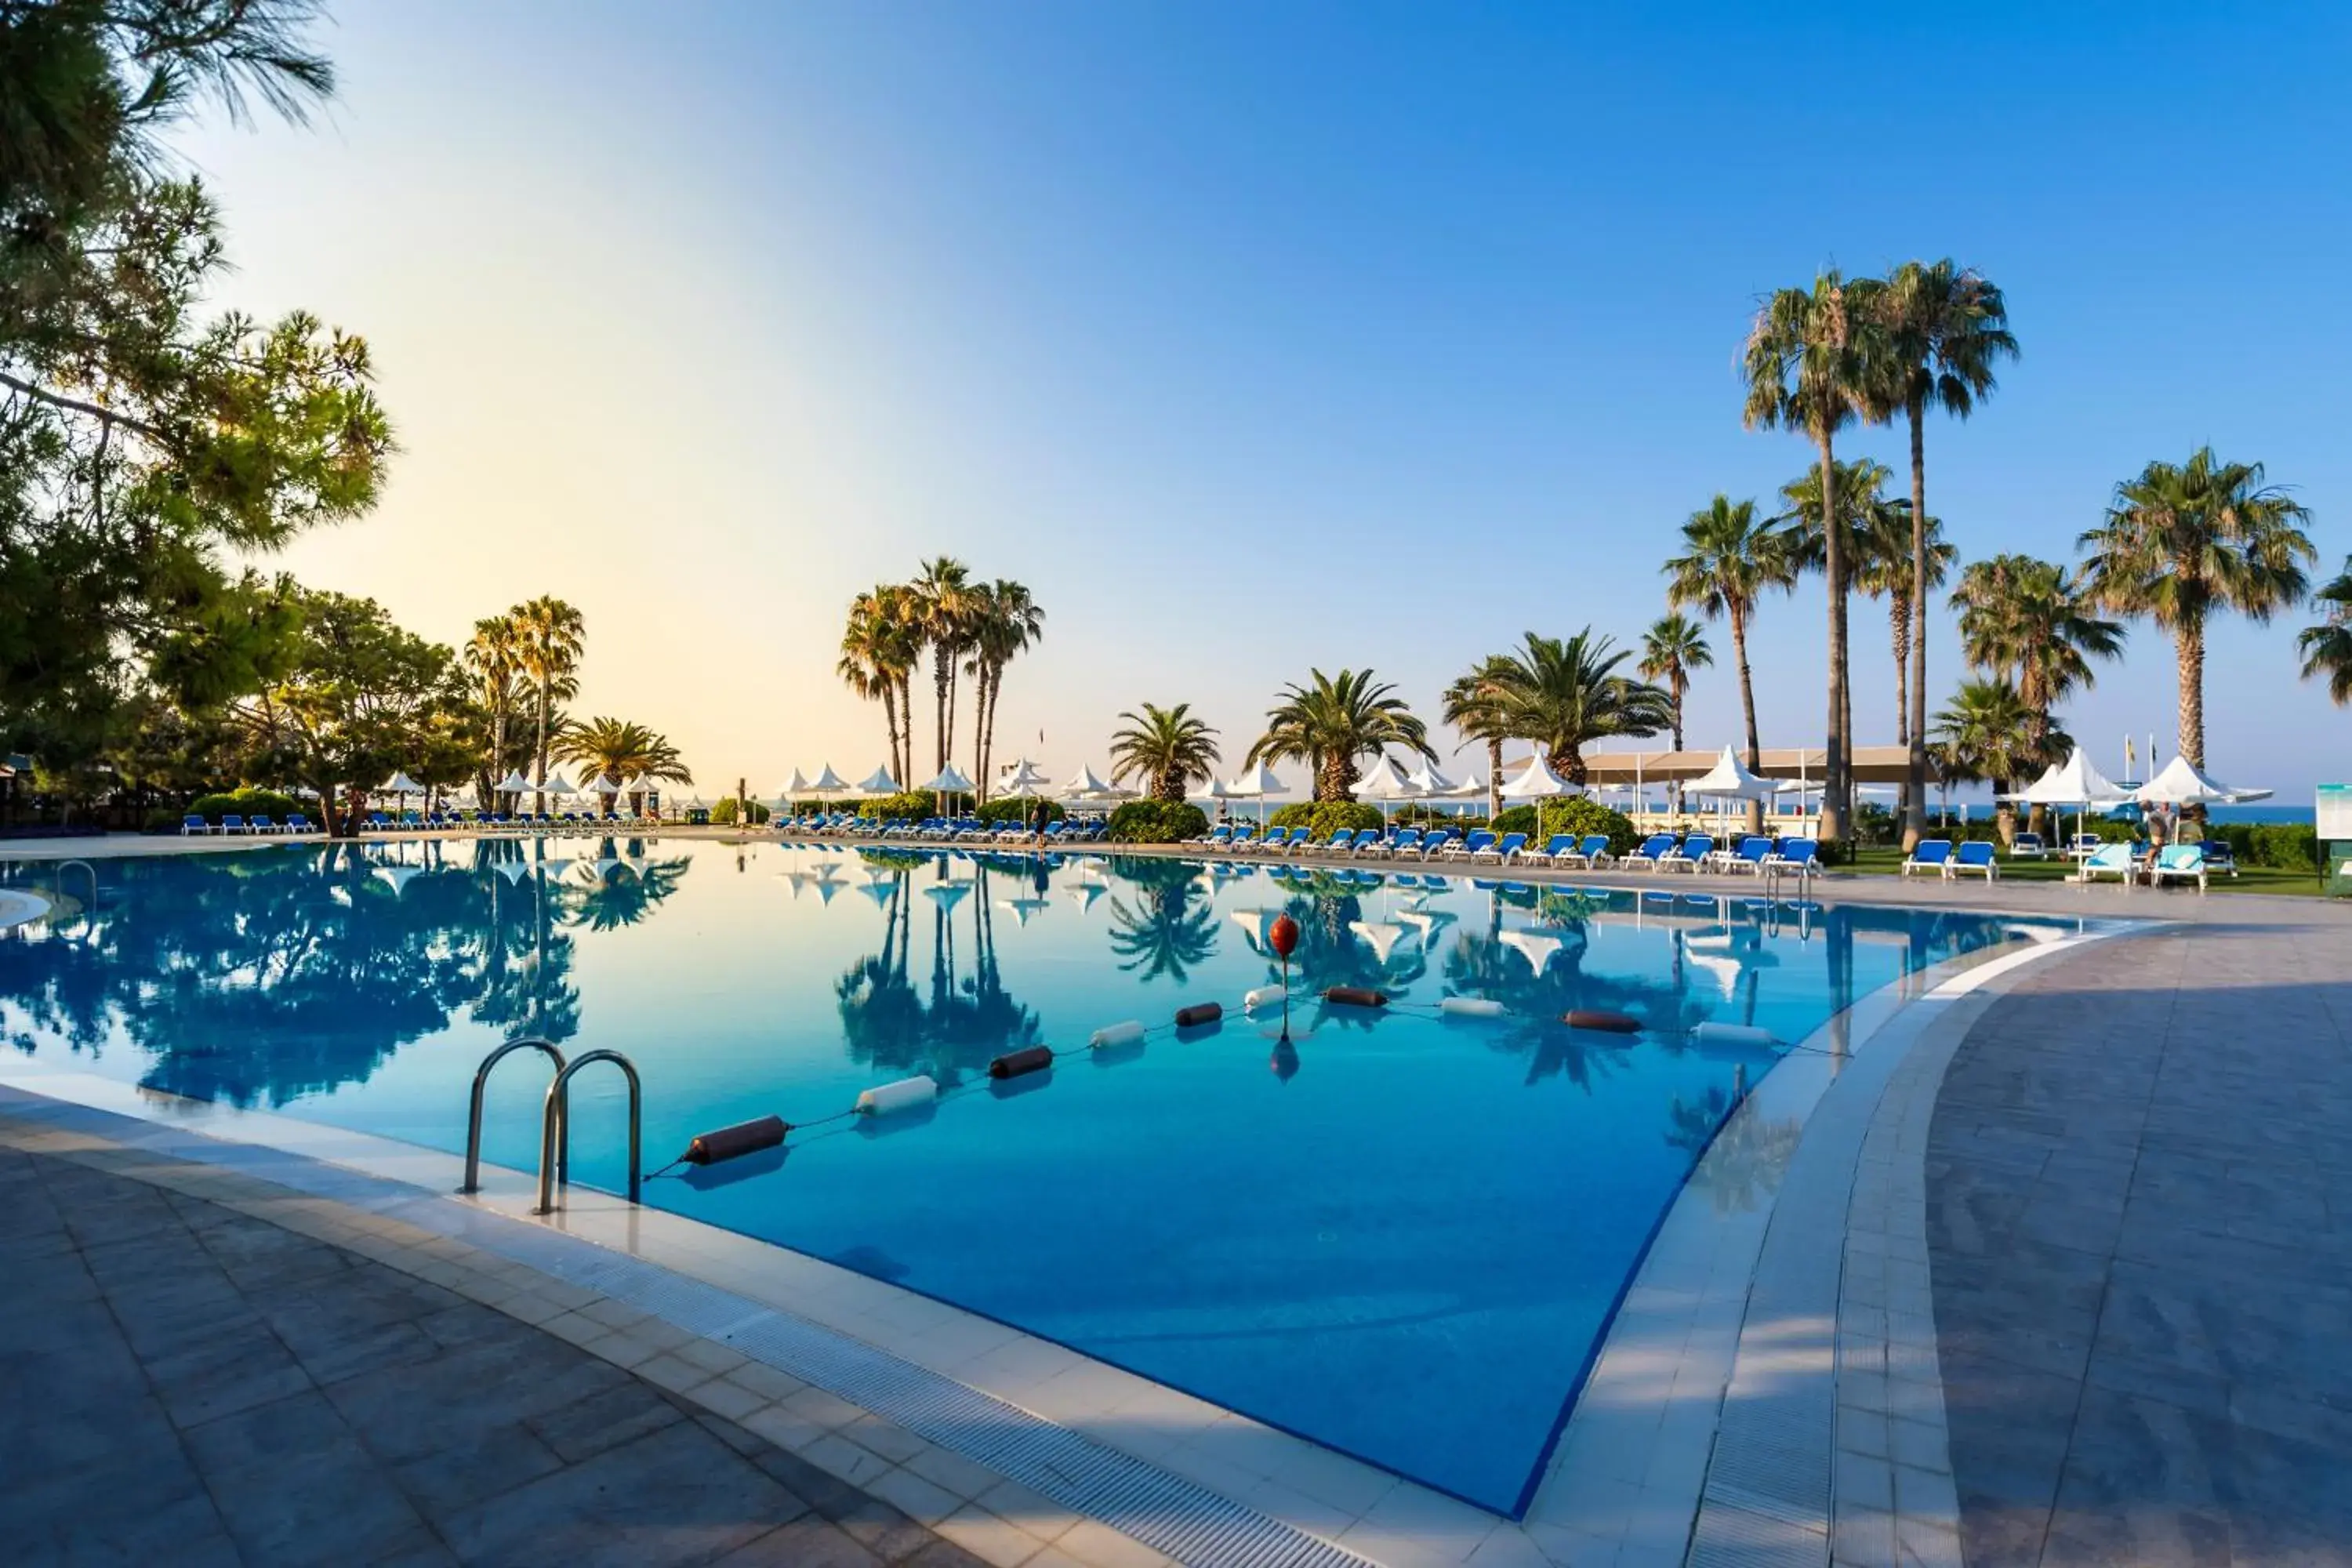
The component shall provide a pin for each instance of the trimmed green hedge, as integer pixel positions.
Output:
(1017, 809)
(1575, 815)
(723, 814)
(912, 804)
(1158, 822)
(1322, 818)
(2282, 846)
(248, 803)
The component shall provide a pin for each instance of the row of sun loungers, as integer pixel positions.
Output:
(233, 824)
(943, 830)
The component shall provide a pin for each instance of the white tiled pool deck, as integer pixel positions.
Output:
(1778, 1326)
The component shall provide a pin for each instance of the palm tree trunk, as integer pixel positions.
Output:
(2192, 691)
(940, 664)
(890, 720)
(1747, 707)
(1494, 777)
(1833, 762)
(1915, 739)
(1899, 614)
(539, 797)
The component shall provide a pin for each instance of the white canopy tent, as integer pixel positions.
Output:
(2074, 782)
(1731, 780)
(1022, 778)
(950, 782)
(1087, 786)
(1260, 784)
(1383, 783)
(877, 784)
(1536, 782)
(514, 784)
(827, 784)
(2181, 783)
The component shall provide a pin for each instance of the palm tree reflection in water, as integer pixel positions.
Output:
(968, 1018)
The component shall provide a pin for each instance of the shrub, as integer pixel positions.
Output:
(2282, 846)
(1575, 814)
(165, 819)
(723, 814)
(245, 801)
(1157, 822)
(1322, 818)
(1018, 809)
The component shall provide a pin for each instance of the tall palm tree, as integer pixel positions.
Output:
(1007, 621)
(1946, 326)
(1475, 706)
(1987, 734)
(944, 604)
(625, 752)
(1729, 560)
(1166, 746)
(2327, 647)
(1329, 723)
(1811, 358)
(1562, 693)
(1887, 566)
(863, 664)
(2182, 544)
(1861, 511)
(2031, 626)
(553, 635)
(1671, 650)
(494, 658)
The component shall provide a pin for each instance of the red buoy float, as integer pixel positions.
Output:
(1602, 1019)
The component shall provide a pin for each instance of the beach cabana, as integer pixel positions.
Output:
(2182, 783)
(2074, 782)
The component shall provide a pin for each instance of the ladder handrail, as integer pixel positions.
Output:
(555, 1128)
(481, 1080)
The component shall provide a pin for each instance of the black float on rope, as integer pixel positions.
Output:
(1012, 1064)
(1198, 1013)
(743, 1137)
(1356, 997)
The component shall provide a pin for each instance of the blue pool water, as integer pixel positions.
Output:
(1402, 1238)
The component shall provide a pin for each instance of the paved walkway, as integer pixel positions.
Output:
(2141, 1244)
(183, 1382)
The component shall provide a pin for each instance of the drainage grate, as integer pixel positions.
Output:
(1167, 1512)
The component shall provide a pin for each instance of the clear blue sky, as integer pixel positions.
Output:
(1256, 337)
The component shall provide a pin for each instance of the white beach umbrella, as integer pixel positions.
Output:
(877, 784)
(399, 876)
(399, 783)
(1730, 780)
(1533, 946)
(950, 782)
(2074, 782)
(793, 788)
(1380, 936)
(1536, 782)
(1261, 784)
(514, 784)
(2181, 783)
(1023, 910)
(1089, 785)
(1384, 783)
(1022, 778)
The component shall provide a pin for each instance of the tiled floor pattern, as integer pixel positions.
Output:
(2141, 1243)
(201, 1367)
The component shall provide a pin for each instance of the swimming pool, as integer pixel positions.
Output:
(1404, 1236)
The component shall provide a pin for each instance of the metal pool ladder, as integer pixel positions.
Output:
(555, 1121)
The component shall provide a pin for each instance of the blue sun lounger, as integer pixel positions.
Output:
(1930, 855)
(1973, 855)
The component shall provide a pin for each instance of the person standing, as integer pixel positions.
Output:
(1037, 822)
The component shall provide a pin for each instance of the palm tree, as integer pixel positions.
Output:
(1861, 511)
(880, 647)
(1166, 746)
(1887, 566)
(1729, 560)
(2181, 544)
(1811, 358)
(1671, 650)
(943, 603)
(626, 751)
(494, 658)
(2326, 648)
(552, 637)
(1007, 621)
(1945, 328)
(1987, 734)
(2032, 627)
(1563, 693)
(1475, 706)
(1329, 723)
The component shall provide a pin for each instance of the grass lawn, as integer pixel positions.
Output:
(1888, 862)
